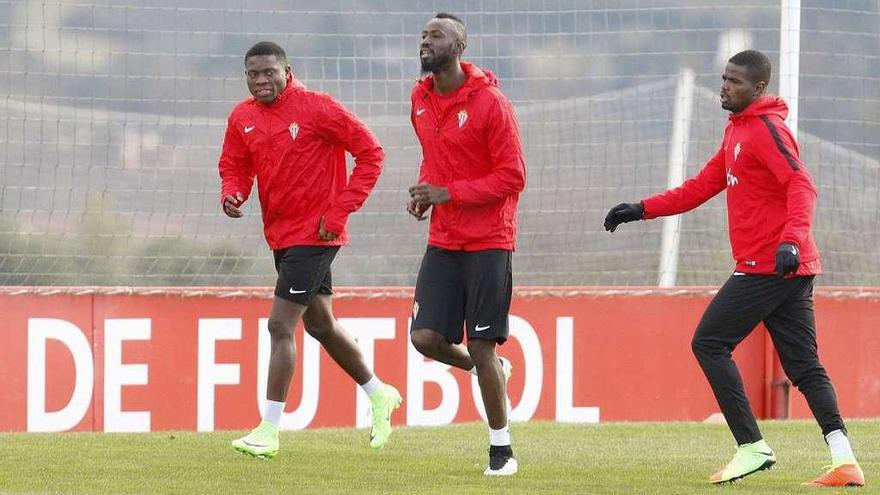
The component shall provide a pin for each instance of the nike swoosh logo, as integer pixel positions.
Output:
(373, 435)
(249, 129)
(297, 291)
(737, 274)
(478, 328)
(254, 444)
(420, 111)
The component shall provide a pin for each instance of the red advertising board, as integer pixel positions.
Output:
(191, 359)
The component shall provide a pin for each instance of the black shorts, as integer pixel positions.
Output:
(455, 288)
(304, 271)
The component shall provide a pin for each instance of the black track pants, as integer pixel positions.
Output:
(785, 305)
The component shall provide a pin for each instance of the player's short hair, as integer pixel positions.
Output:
(445, 15)
(756, 63)
(457, 20)
(266, 48)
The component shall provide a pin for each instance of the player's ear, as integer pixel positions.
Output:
(760, 88)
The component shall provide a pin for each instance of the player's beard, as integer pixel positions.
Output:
(436, 62)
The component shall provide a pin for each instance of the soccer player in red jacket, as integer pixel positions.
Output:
(294, 141)
(770, 204)
(471, 175)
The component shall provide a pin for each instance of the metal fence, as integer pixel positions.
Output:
(113, 114)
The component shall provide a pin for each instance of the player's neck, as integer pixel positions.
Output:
(448, 79)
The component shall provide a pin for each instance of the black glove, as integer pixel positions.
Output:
(787, 259)
(622, 213)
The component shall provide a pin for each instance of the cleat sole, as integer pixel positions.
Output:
(511, 468)
(266, 456)
(767, 466)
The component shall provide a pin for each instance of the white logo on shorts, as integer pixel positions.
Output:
(415, 310)
(297, 291)
(478, 328)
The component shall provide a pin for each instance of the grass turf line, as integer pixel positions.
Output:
(619, 458)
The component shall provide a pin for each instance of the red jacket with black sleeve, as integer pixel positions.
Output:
(470, 145)
(295, 148)
(770, 195)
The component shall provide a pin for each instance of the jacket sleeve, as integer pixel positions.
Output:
(778, 151)
(344, 128)
(508, 172)
(235, 166)
(695, 191)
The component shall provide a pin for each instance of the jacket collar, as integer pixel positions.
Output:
(476, 80)
(765, 105)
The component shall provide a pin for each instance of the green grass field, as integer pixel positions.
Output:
(624, 458)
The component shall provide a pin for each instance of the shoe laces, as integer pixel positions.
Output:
(730, 465)
(738, 456)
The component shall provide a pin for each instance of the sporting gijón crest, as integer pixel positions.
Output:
(462, 118)
(294, 130)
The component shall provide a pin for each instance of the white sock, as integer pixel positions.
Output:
(841, 450)
(273, 411)
(372, 386)
(499, 437)
(473, 371)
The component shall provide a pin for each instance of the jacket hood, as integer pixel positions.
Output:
(294, 84)
(477, 79)
(765, 105)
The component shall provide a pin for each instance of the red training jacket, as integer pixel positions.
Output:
(770, 195)
(473, 149)
(295, 147)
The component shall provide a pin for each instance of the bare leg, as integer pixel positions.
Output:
(283, 318)
(433, 344)
(340, 344)
(493, 386)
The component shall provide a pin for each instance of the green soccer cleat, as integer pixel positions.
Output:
(384, 401)
(749, 458)
(261, 442)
